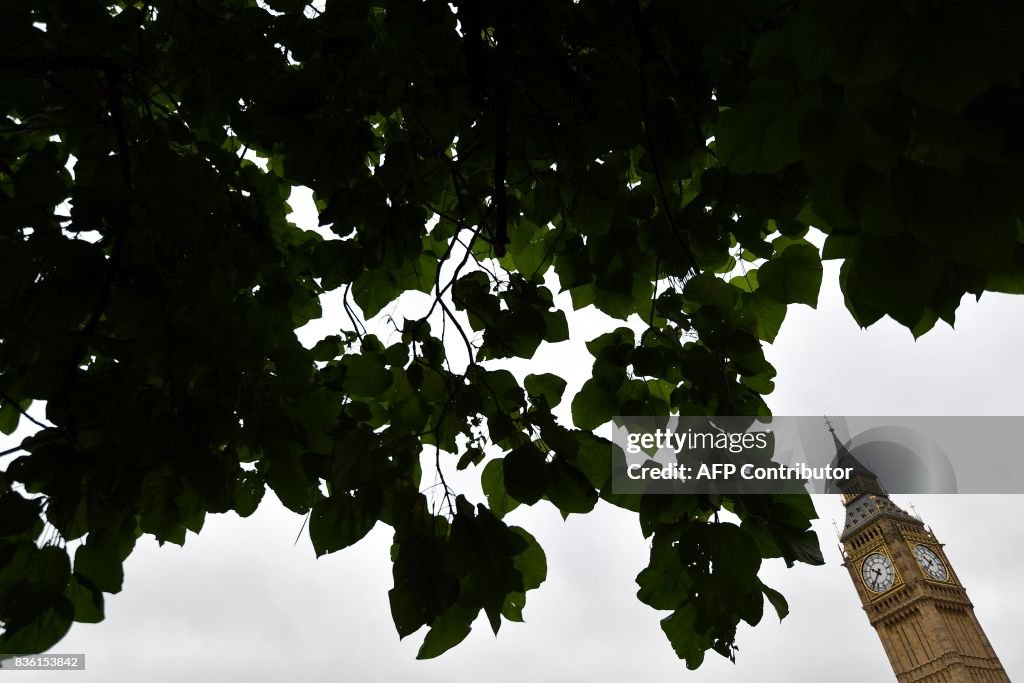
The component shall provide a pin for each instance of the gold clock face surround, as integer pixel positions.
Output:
(930, 562)
(878, 572)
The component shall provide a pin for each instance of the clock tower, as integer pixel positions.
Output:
(908, 588)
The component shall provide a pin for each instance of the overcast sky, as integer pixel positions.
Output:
(240, 602)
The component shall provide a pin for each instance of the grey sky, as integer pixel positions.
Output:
(241, 603)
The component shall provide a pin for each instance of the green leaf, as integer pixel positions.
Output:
(472, 456)
(410, 414)
(41, 632)
(960, 54)
(736, 555)
(503, 388)
(374, 290)
(800, 47)
(406, 600)
(594, 405)
(681, 629)
(248, 492)
(547, 386)
(532, 563)
(1010, 283)
(341, 520)
(492, 480)
(770, 314)
(513, 607)
(777, 600)
(794, 276)
(556, 326)
(417, 274)
(954, 216)
(447, 631)
(665, 583)
(99, 563)
(890, 276)
(590, 214)
(9, 417)
(29, 576)
(547, 202)
(87, 602)
(759, 134)
(525, 473)
(593, 458)
(19, 515)
(286, 476)
(802, 547)
(569, 489)
(338, 262)
(709, 290)
(366, 375)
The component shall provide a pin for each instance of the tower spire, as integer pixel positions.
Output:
(861, 480)
(832, 430)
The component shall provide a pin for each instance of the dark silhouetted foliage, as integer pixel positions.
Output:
(636, 152)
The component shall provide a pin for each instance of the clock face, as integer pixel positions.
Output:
(878, 572)
(930, 563)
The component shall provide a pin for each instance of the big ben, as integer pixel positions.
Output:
(912, 596)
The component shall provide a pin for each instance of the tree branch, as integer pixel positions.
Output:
(17, 406)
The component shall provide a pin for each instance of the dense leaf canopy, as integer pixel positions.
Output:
(661, 161)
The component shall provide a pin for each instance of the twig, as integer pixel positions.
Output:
(299, 535)
(356, 325)
(28, 417)
(440, 473)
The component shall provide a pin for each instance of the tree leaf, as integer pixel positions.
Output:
(99, 563)
(759, 135)
(532, 562)
(525, 473)
(777, 600)
(41, 632)
(794, 276)
(87, 602)
(492, 480)
(593, 406)
(447, 631)
(341, 520)
(545, 385)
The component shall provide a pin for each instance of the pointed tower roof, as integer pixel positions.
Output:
(863, 495)
(861, 480)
